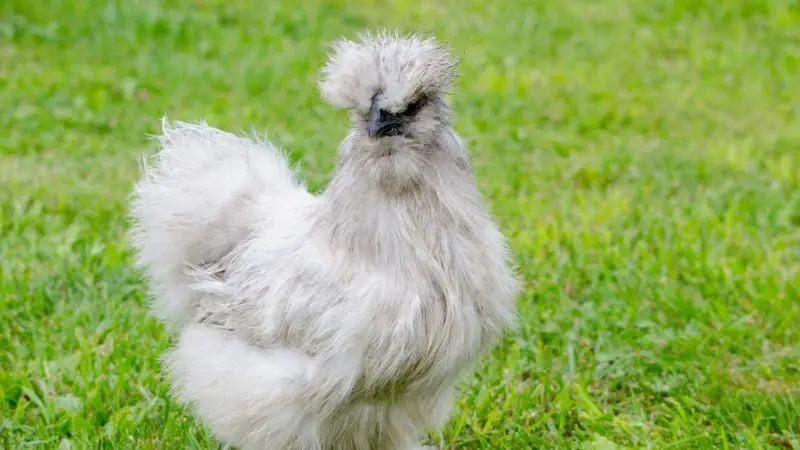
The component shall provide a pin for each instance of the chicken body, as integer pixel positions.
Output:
(338, 321)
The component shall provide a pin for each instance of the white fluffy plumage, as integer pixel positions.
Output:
(337, 321)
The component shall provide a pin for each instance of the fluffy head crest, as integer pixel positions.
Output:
(400, 68)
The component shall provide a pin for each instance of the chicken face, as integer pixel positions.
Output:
(416, 118)
(403, 99)
(383, 122)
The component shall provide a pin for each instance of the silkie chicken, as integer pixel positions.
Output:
(335, 321)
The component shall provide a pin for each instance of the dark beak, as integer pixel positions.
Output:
(382, 124)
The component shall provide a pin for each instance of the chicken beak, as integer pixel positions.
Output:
(382, 125)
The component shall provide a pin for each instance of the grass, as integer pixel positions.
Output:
(642, 155)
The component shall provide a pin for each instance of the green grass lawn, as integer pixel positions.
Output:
(642, 155)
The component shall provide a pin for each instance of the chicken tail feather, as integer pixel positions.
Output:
(202, 194)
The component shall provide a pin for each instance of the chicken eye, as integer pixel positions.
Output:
(414, 107)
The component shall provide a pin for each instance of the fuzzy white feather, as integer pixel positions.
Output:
(338, 321)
